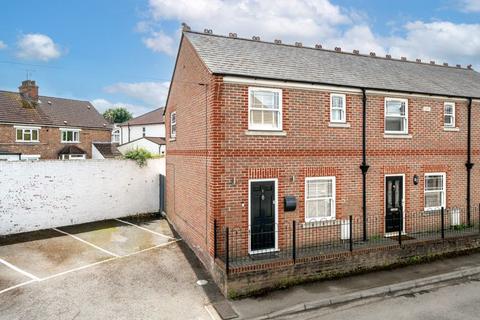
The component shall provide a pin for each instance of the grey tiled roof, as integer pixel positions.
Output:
(151, 117)
(242, 57)
(50, 111)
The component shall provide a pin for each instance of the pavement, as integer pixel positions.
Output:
(117, 269)
(330, 294)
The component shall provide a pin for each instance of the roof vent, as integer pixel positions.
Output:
(318, 46)
(185, 27)
(298, 44)
(104, 124)
(459, 65)
(65, 122)
(356, 51)
(432, 62)
(338, 49)
(256, 38)
(403, 58)
(277, 41)
(419, 60)
(388, 56)
(470, 67)
(373, 54)
(445, 64)
(232, 35)
(207, 31)
(49, 102)
(88, 106)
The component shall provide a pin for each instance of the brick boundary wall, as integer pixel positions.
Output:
(252, 280)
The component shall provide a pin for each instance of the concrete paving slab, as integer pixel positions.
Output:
(48, 252)
(159, 225)
(10, 278)
(116, 237)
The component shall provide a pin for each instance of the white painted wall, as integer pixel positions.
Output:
(148, 145)
(151, 130)
(52, 193)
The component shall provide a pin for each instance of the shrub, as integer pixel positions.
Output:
(139, 155)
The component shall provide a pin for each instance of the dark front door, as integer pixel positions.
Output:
(394, 201)
(262, 215)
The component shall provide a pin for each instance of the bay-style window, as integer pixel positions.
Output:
(70, 135)
(434, 191)
(264, 109)
(27, 134)
(338, 108)
(449, 115)
(319, 199)
(396, 116)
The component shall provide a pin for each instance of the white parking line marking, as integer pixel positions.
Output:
(145, 229)
(86, 242)
(17, 286)
(151, 248)
(79, 268)
(25, 273)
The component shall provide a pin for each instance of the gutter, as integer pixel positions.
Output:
(364, 166)
(469, 164)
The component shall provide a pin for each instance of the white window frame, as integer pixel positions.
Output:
(333, 214)
(73, 157)
(116, 136)
(252, 126)
(405, 131)
(444, 186)
(343, 108)
(24, 129)
(449, 104)
(75, 132)
(173, 133)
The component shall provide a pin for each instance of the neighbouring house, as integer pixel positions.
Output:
(105, 150)
(40, 127)
(154, 145)
(306, 162)
(116, 133)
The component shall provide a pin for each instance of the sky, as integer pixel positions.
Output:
(122, 53)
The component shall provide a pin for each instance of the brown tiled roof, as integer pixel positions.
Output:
(50, 111)
(152, 117)
(107, 149)
(157, 140)
(70, 149)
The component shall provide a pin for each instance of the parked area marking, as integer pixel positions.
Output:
(144, 229)
(86, 242)
(34, 278)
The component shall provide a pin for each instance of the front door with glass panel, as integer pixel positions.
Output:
(262, 215)
(393, 203)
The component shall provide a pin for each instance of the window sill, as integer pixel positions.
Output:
(321, 223)
(70, 142)
(265, 133)
(339, 125)
(172, 139)
(27, 142)
(397, 136)
(451, 129)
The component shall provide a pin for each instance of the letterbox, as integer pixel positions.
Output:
(289, 203)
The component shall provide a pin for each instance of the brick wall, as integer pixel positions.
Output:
(50, 141)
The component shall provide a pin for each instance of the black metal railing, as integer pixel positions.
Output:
(292, 240)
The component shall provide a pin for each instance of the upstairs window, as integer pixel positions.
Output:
(319, 199)
(396, 116)
(144, 131)
(173, 125)
(338, 108)
(70, 135)
(25, 134)
(449, 115)
(434, 191)
(264, 109)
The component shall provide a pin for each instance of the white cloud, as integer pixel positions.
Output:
(151, 93)
(469, 5)
(102, 104)
(2, 45)
(35, 46)
(158, 41)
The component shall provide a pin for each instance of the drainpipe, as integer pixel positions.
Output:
(364, 167)
(469, 163)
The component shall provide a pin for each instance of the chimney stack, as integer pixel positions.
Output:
(29, 90)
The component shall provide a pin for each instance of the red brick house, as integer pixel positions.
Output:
(264, 135)
(40, 127)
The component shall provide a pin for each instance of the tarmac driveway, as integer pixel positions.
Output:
(117, 269)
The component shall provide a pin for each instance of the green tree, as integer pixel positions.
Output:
(117, 115)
